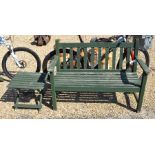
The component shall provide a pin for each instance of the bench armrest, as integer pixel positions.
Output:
(53, 64)
(143, 66)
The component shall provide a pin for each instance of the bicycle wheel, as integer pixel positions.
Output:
(27, 57)
(47, 60)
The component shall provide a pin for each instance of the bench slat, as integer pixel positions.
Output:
(78, 58)
(113, 58)
(99, 58)
(71, 58)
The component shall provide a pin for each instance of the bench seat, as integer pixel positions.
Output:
(97, 81)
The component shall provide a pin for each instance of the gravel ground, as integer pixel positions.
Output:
(79, 105)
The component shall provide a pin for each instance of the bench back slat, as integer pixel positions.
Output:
(71, 58)
(128, 58)
(78, 58)
(121, 58)
(114, 58)
(92, 58)
(106, 58)
(85, 57)
(64, 59)
(99, 57)
(94, 55)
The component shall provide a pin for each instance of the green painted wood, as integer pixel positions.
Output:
(96, 44)
(99, 89)
(113, 58)
(90, 70)
(121, 58)
(141, 92)
(85, 58)
(143, 66)
(99, 58)
(27, 80)
(78, 58)
(53, 93)
(92, 57)
(57, 53)
(64, 58)
(71, 58)
(28, 106)
(106, 58)
(128, 58)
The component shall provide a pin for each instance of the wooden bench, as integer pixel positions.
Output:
(28, 82)
(66, 77)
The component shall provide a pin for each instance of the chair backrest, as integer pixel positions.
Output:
(97, 56)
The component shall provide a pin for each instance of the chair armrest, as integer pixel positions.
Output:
(143, 66)
(53, 64)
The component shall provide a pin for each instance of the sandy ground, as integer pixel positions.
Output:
(79, 105)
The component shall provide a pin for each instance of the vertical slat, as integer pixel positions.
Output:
(128, 58)
(64, 58)
(57, 52)
(85, 58)
(136, 46)
(121, 58)
(78, 58)
(99, 58)
(92, 57)
(106, 58)
(113, 58)
(71, 58)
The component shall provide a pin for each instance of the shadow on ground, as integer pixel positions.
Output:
(75, 97)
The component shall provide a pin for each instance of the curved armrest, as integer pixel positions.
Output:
(143, 66)
(53, 63)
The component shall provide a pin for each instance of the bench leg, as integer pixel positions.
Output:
(141, 93)
(53, 92)
(54, 104)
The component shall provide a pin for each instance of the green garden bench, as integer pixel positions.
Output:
(26, 83)
(67, 78)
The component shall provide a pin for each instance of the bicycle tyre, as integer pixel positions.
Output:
(46, 59)
(20, 49)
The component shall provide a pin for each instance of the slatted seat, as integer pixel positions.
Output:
(97, 81)
(80, 73)
(27, 81)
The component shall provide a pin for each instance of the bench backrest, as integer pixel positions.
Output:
(96, 55)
